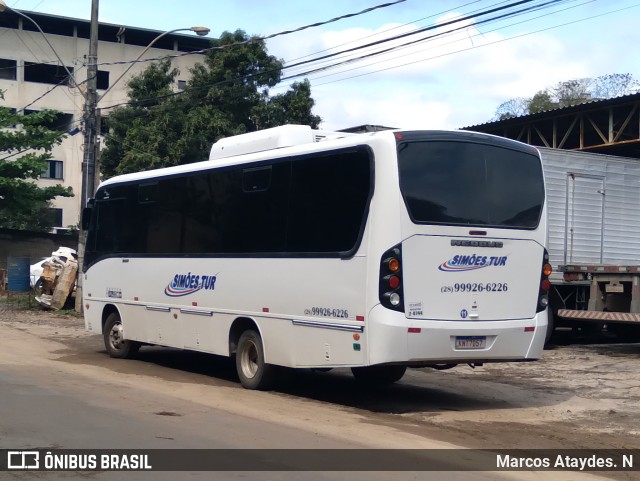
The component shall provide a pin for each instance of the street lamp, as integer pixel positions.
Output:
(200, 31)
(4, 7)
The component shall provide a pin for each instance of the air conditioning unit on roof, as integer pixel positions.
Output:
(268, 139)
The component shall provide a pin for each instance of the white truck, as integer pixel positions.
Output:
(594, 240)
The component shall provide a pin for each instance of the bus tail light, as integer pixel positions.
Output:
(390, 290)
(545, 284)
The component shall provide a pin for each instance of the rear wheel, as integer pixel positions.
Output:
(551, 325)
(253, 372)
(378, 375)
(117, 346)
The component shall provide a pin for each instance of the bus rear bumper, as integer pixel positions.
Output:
(395, 339)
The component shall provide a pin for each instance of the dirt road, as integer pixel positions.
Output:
(575, 397)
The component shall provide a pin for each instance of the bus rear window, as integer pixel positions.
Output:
(470, 184)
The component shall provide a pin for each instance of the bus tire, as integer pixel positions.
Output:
(253, 372)
(551, 325)
(378, 375)
(116, 345)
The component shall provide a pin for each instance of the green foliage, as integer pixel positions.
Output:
(540, 102)
(292, 107)
(227, 94)
(24, 153)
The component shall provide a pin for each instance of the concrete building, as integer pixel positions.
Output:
(32, 78)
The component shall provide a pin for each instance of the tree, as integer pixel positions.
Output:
(143, 135)
(540, 102)
(615, 85)
(24, 153)
(227, 94)
(511, 108)
(572, 92)
(292, 107)
(568, 93)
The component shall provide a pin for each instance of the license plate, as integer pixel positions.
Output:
(471, 342)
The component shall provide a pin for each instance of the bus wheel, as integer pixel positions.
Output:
(253, 372)
(114, 341)
(550, 328)
(378, 374)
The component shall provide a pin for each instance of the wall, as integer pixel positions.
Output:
(34, 245)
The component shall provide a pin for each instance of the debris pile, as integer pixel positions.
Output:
(58, 280)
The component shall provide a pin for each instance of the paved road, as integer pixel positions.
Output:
(68, 394)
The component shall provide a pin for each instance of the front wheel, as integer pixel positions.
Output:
(117, 346)
(378, 375)
(253, 372)
(38, 287)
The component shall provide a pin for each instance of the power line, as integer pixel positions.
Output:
(395, 28)
(174, 94)
(449, 43)
(43, 95)
(487, 44)
(421, 30)
(379, 42)
(430, 37)
(257, 39)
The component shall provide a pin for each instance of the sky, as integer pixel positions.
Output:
(448, 81)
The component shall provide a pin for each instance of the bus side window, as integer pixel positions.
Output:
(147, 193)
(257, 179)
(328, 202)
(115, 231)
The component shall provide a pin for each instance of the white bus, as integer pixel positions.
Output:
(298, 248)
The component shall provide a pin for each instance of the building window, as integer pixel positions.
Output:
(103, 80)
(55, 215)
(182, 84)
(53, 170)
(46, 73)
(8, 69)
(61, 122)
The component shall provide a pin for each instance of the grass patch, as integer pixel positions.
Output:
(19, 301)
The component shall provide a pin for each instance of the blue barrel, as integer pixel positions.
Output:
(18, 273)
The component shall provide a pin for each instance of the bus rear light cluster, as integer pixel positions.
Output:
(545, 284)
(391, 295)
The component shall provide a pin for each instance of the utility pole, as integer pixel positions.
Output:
(90, 139)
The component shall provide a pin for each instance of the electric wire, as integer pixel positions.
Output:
(396, 57)
(148, 111)
(256, 39)
(485, 45)
(308, 72)
(429, 38)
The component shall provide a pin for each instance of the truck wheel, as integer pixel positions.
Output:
(117, 346)
(378, 375)
(253, 372)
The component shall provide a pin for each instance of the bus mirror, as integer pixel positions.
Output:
(86, 215)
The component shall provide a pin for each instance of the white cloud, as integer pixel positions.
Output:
(389, 105)
(458, 79)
